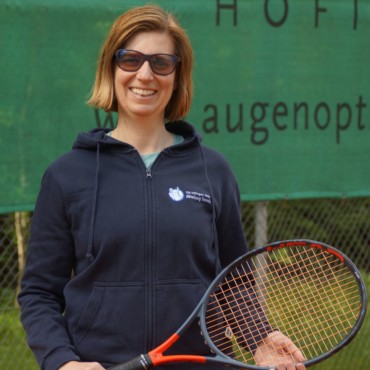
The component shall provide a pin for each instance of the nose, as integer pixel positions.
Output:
(145, 71)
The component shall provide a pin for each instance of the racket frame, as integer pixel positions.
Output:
(286, 244)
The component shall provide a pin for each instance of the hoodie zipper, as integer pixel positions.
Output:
(150, 262)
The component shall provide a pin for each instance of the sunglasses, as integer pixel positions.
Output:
(132, 60)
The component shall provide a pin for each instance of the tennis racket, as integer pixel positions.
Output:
(307, 290)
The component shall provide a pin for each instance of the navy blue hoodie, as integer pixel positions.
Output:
(120, 255)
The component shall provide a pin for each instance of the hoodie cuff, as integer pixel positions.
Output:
(59, 357)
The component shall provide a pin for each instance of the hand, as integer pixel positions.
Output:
(75, 365)
(278, 350)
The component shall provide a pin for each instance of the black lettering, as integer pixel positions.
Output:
(228, 6)
(280, 110)
(355, 14)
(239, 124)
(340, 126)
(282, 19)
(297, 108)
(317, 11)
(108, 121)
(210, 124)
(262, 132)
(360, 105)
(327, 110)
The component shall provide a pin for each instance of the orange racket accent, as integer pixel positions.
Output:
(317, 246)
(336, 254)
(284, 245)
(158, 359)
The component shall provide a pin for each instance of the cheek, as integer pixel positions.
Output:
(171, 86)
(119, 89)
(120, 79)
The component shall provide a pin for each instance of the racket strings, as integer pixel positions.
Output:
(326, 296)
(322, 293)
(285, 295)
(323, 302)
(236, 319)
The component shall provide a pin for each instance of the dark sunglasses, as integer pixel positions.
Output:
(132, 60)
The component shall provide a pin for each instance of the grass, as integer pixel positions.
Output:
(14, 352)
(357, 354)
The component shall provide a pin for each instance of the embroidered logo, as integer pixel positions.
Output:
(199, 197)
(176, 194)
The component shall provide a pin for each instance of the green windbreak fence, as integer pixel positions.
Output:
(282, 89)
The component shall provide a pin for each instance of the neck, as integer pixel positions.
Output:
(147, 136)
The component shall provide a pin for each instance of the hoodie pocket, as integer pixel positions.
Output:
(112, 323)
(176, 300)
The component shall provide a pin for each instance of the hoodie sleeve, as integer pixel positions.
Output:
(230, 233)
(231, 245)
(49, 267)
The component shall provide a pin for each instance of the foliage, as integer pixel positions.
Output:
(8, 247)
(342, 224)
(13, 356)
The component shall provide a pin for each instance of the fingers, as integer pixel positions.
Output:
(76, 365)
(288, 346)
(294, 351)
(290, 366)
(298, 356)
(279, 350)
(300, 367)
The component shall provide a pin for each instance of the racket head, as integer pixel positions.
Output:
(308, 290)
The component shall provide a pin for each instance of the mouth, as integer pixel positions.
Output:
(142, 92)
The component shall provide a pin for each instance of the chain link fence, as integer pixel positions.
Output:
(344, 224)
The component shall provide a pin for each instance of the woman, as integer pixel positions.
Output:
(132, 220)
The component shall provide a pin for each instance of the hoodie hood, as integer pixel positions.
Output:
(90, 139)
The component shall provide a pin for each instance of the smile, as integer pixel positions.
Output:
(142, 92)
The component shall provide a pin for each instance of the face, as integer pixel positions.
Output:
(144, 94)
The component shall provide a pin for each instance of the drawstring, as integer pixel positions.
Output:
(89, 254)
(214, 231)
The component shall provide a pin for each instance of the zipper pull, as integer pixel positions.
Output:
(148, 173)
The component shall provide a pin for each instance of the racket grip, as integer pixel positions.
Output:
(142, 362)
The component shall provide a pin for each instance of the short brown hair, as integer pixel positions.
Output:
(147, 18)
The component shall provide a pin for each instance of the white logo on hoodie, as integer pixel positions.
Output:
(176, 194)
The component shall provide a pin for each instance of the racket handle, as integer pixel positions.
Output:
(142, 362)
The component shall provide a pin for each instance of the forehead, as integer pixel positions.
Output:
(151, 43)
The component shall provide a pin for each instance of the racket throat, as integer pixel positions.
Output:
(158, 358)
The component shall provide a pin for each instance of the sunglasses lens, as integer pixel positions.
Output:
(162, 64)
(130, 61)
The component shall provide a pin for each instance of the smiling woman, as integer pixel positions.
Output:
(140, 214)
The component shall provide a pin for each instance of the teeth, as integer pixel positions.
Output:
(143, 92)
